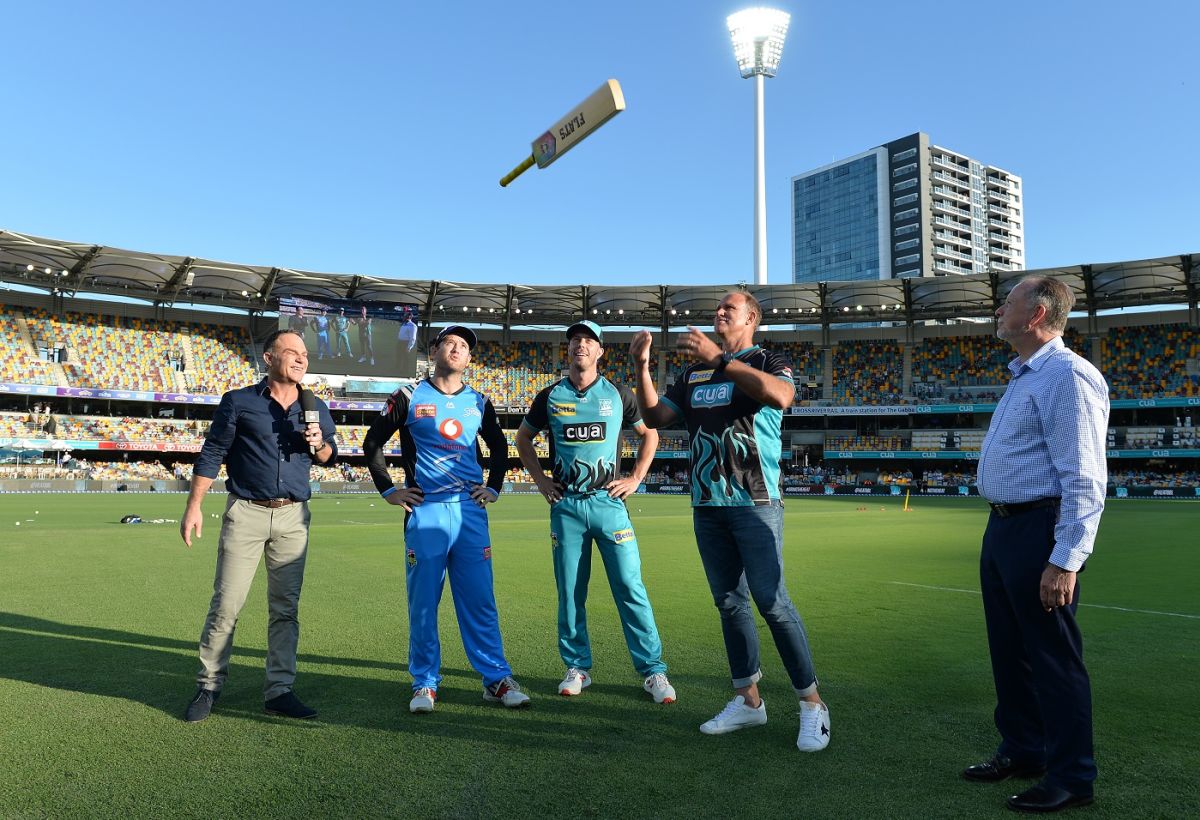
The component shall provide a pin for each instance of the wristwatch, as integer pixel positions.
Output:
(726, 358)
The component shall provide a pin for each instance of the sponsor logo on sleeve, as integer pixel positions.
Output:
(700, 376)
(424, 411)
(553, 540)
(487, 553)
(786, 373)
(411, 557)
(621, 536)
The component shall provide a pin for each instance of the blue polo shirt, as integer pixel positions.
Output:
(262, 445)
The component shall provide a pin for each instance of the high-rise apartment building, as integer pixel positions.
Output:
(907, 208)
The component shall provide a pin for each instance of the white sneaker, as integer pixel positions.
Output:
(575, 682)
(506, 691)
(422, 701)
(736, 715)
(661, 688)
(814, 727)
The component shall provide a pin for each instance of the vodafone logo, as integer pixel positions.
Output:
(450, 428)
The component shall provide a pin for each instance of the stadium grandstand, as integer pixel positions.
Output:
(112, 361)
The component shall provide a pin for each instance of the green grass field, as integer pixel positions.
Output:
(99, 623)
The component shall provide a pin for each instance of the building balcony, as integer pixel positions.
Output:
(942, 205)
(942, 250)
(955, 238)
(944, 191)
(999, 209)
(950, 267)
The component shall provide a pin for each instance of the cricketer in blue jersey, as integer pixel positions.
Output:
(445, 525)
(583, 415)
(732, 399)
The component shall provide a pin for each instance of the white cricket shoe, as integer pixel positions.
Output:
(814, 727)
(661, 688)
(423, 700)
(575, 682)
(736, 715)
(506, 691)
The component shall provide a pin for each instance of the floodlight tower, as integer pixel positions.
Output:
(758, 35)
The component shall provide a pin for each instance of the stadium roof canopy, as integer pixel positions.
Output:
(68, 268)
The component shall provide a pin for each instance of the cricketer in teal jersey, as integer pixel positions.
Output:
(445, 523)
(732, 399)
(584, 414)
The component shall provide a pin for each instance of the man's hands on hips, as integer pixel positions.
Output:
(484, 495)
(550, 489)
(1057, 587)
(406, 497)
(623, 487)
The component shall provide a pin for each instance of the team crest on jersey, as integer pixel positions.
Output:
(559, 409)
(487, 553)
(620, 536)
(700, 376)
(451, 429)
(472, 412)
(424, 411)
(606, 408)
(411, 557)
(712, 395)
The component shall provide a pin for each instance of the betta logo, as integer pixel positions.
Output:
(557, 409)
(713, 395)
(621, 536)
(700, 376)
(581, 433)
(451, 429)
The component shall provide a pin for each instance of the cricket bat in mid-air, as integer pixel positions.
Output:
(583, 119)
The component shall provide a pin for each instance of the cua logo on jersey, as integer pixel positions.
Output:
(411, 557)
(620, 536)
(712, 395)
(424, 411)
(557, 409)
(450, 428)
(580, 433)
(700, 376)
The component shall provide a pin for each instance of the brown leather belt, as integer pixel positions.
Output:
(1009, 510)
(272, 503)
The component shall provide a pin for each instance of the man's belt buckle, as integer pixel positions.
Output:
(271, 503)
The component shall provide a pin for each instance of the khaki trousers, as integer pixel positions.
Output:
(250, 532)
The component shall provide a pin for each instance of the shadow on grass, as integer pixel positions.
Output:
(159, 673)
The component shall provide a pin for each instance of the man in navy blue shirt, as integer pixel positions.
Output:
(262, 437)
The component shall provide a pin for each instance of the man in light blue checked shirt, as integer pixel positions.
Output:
(1042, 469)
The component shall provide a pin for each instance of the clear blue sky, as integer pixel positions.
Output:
(369, 137)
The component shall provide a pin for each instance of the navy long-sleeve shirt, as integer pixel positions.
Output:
(262, 445)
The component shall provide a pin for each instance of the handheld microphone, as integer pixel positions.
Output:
(309, 413)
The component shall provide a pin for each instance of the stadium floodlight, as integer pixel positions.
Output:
(758, 35)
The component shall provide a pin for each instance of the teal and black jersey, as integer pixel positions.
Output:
(735, 440)
(585, 430)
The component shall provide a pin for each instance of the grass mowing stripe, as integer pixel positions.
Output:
(1093, 606)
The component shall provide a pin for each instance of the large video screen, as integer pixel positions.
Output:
(354, 338)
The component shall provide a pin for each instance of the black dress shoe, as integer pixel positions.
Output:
(288, 705)
(999, 769)
(1042, 799)
(201, 705)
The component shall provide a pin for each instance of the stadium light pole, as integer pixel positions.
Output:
(758, 34)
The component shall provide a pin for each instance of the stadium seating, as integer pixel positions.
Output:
(868, 372)
(1150, 361)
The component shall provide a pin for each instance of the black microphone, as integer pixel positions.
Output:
(309, 413)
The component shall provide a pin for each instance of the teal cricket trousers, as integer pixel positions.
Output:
(575, 522)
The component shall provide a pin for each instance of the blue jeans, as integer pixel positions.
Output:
(742, 552)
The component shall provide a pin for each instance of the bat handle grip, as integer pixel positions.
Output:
(516, 172)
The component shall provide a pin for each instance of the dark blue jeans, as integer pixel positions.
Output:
(742, 552)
